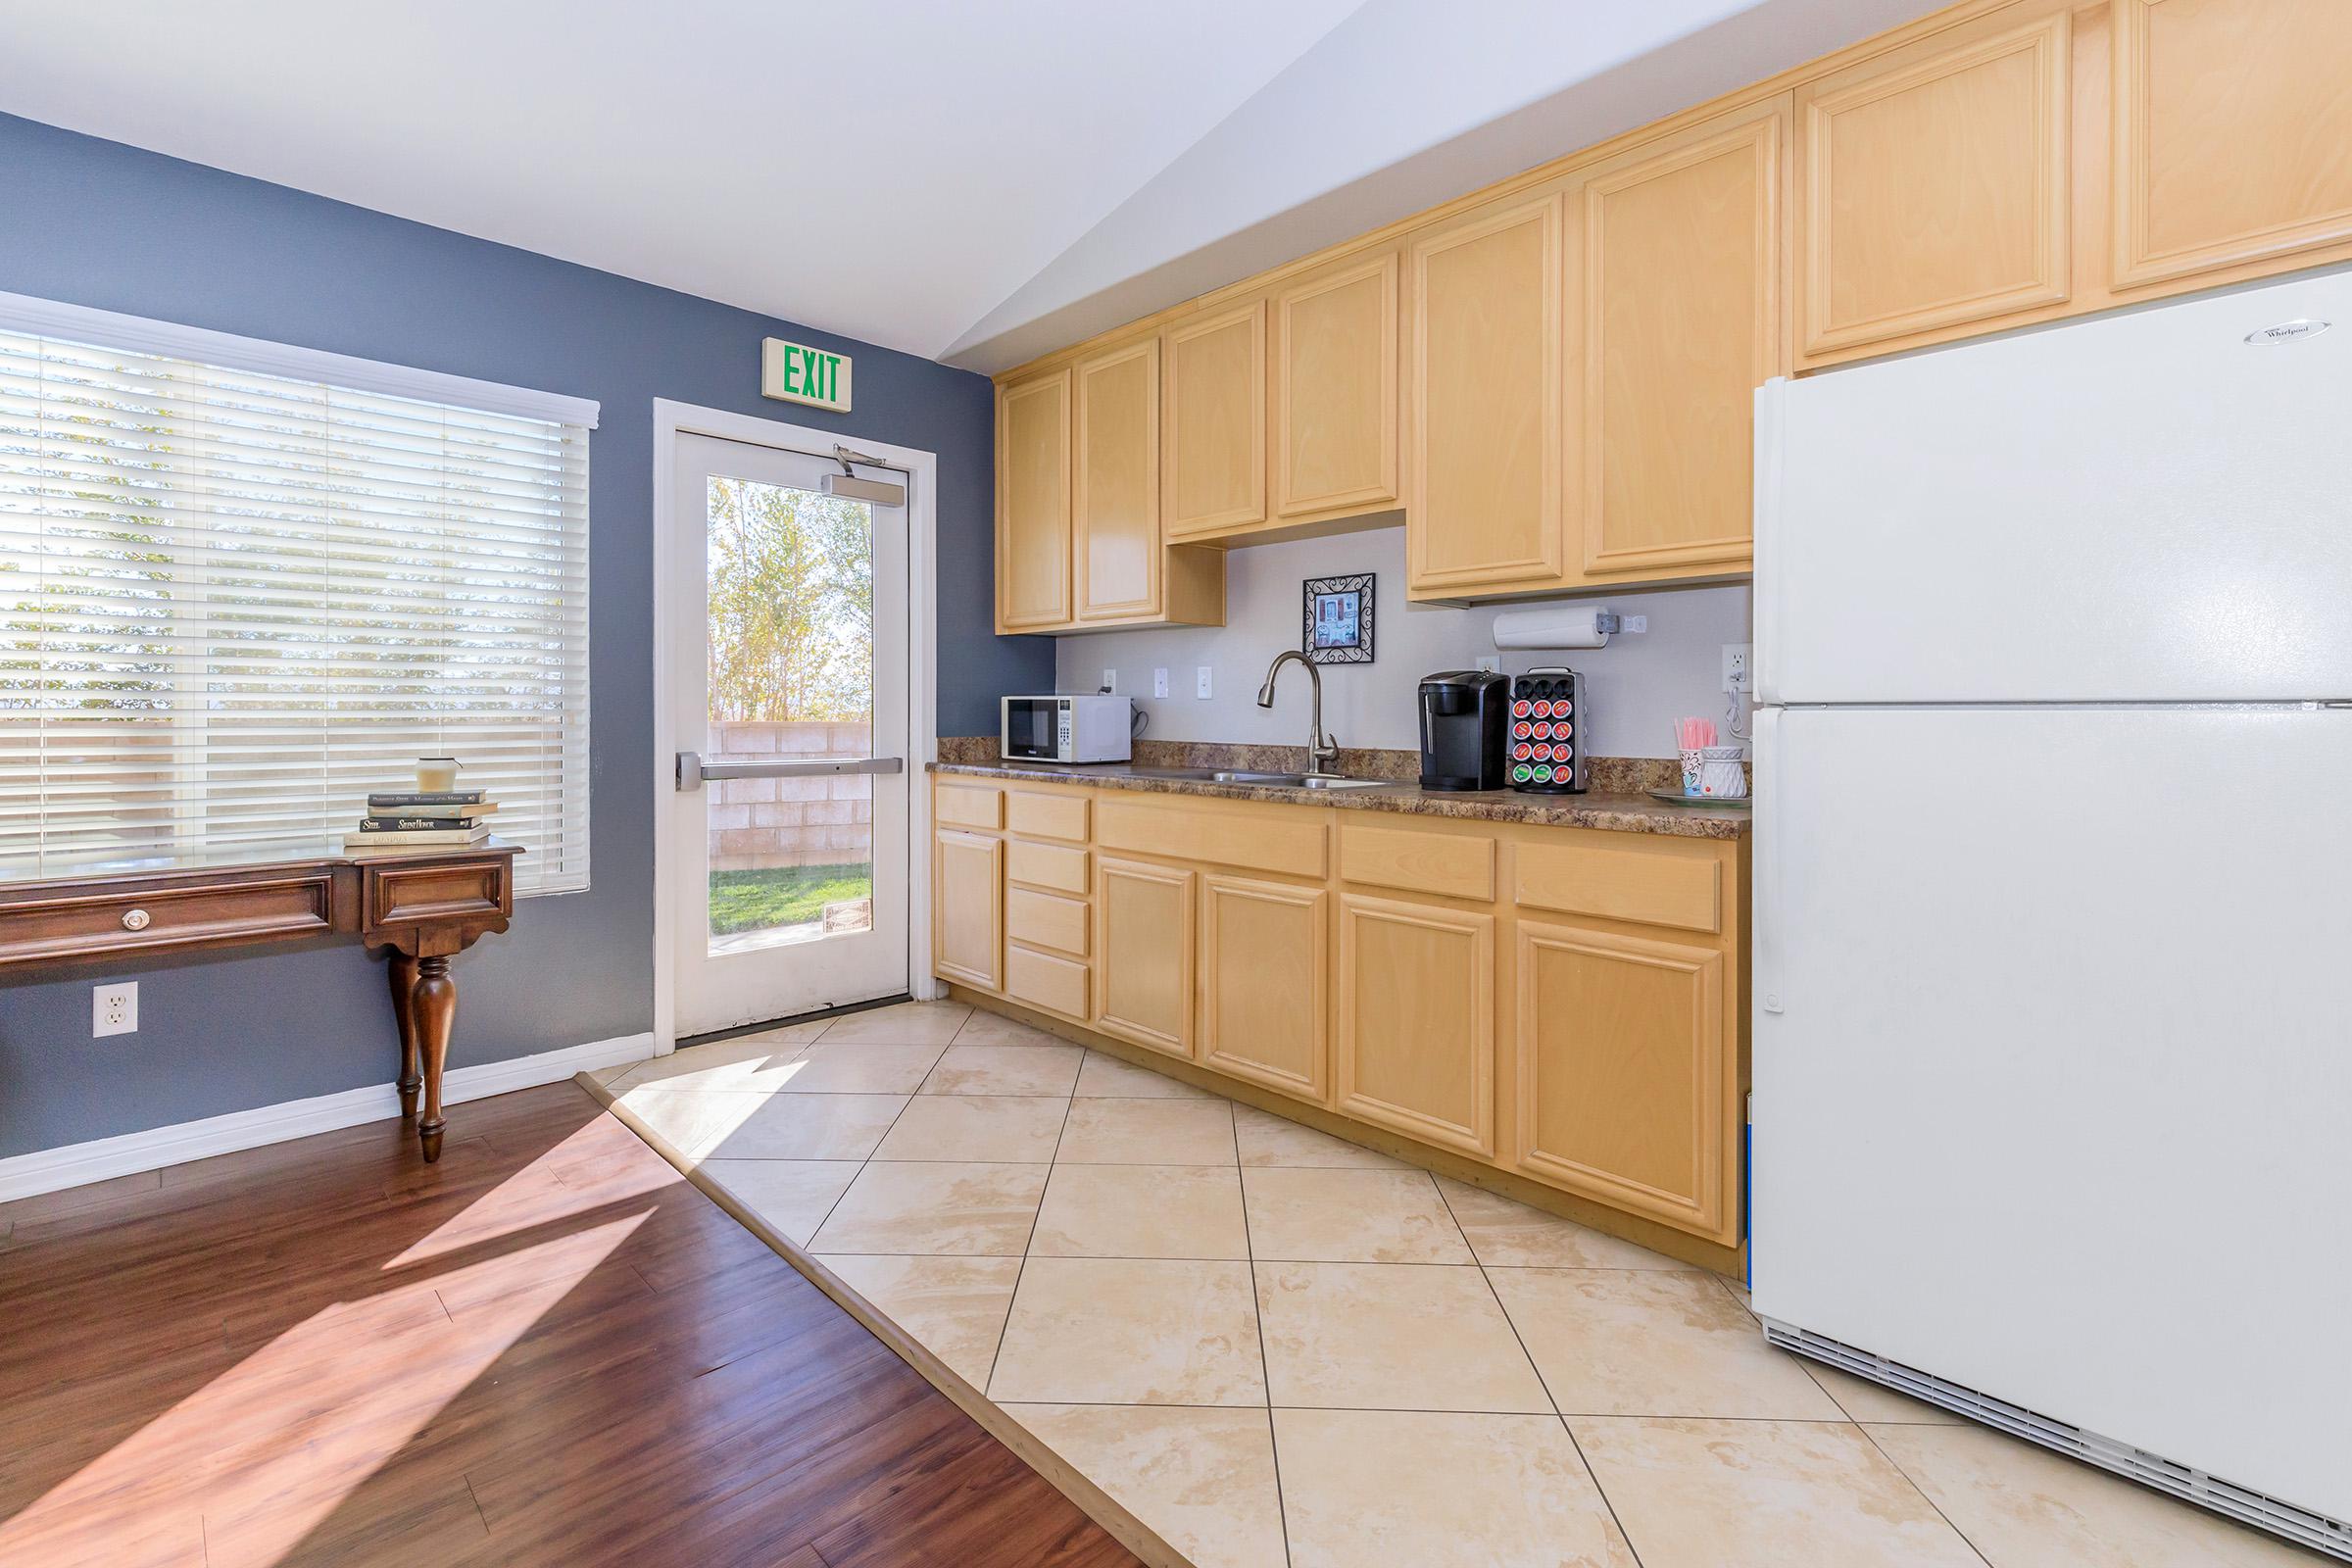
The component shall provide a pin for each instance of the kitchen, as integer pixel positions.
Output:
(1612, 851)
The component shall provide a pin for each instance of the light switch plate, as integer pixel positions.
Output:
(115, 1009)
(1200, 681)
(1159, 683)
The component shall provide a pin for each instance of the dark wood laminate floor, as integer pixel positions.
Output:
(546, 1350)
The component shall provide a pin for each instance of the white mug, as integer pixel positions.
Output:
(1720, 773)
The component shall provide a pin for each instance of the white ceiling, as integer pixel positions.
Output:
(971, 179)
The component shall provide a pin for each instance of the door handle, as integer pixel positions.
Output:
(1769, 978)
(692, 770)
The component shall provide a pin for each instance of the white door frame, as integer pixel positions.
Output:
(673, 420)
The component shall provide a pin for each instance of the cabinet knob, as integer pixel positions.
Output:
(134, 919)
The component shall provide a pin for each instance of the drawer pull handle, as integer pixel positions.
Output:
(135, 920)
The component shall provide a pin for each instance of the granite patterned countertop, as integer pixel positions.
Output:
(1616, 803)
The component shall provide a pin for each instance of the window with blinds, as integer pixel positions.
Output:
(233, 602)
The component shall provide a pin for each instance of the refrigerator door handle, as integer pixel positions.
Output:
(1771, 982)
(1772, 402)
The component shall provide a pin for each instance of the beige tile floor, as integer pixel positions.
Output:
(1278, 1349)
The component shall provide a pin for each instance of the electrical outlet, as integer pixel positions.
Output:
(1159, 683)
(1490, 662)
(1200, 681)
(1738, 668)
(1111, 680)
(1632, 623)
(115, 1009)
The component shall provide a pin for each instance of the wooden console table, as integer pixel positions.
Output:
(419, 908)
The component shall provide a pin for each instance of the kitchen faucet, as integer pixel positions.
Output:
(1321, 750)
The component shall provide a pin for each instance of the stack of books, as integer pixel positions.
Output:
(419, 820)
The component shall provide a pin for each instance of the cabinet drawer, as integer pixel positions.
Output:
(1290, 842)
(1057, 985)
(1451, 865)
(1046, 866)
(296, 904)
(1652, 886)
(1045, 921)
(1046, 816)
(969, 805)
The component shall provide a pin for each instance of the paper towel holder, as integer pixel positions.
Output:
(1556, 626)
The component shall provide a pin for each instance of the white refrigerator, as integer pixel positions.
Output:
(2052, 1111)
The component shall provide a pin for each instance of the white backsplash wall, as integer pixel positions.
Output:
(1636, 687)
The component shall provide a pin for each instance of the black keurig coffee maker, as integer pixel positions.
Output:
(1464, 716)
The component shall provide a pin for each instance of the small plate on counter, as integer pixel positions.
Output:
(1729, 803)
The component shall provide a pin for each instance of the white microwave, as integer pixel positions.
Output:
(1068, 729)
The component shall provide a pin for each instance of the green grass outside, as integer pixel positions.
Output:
(784, 895)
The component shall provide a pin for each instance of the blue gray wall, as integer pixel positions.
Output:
(98, 223)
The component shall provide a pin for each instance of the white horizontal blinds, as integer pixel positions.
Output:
(232, 604)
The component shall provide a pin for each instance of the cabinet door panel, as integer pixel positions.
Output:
(1335, 390)
(1117, 485)
(1143, 947)
(1677, 323)
(1416, 1037)
(1033, 503)
(1935, 185)
(1485, 468)
(1215, 454)
(1625, 1074)
(1264, 969)
(2233, 133)
(967, 932)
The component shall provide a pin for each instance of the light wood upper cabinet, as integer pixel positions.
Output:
(1335, 407)
(1934, 184)
(1416, 1020)
(1117, 482)
(2232, 134)
(1264, 983)
(1627, 1074)
(1033, 503)
(1143, 947)
(1674, 255)
(1482, 394)
(968, 901)
(1215, 423)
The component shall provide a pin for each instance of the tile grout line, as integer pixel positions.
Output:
(810, 1244)
(1950, 1524)
(1558, 1414)
(1257, 1320)
(1052, 1160)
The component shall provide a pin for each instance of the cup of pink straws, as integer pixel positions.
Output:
(1707, 768)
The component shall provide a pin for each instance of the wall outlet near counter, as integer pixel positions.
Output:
(115, 1009)
(1159, 683)
(1739, 668)
(1111, 680)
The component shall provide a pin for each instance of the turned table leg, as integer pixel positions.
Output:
(400, 970)
(434, 1002)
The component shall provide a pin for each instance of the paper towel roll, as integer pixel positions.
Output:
(1552, 626)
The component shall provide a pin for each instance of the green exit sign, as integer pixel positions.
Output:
(795, 372)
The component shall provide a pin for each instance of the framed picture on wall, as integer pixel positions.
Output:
(1339, 619)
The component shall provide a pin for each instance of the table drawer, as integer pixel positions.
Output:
(203, 913)
(1045, 921)
(1657, 885)
(1047, 817)
(1450, 864)
(436, 890)
(979, 806)
(1057, 985)
(1046, 866)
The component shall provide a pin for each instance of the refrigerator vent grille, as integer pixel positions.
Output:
(2299, 1524)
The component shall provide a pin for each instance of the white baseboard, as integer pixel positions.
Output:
(47, 1170)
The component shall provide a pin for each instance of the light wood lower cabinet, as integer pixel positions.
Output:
(1626, 1073)
(1416, 1046)
(1265, 982)
(1144, 942)
(967, 907)
(1562, 1005)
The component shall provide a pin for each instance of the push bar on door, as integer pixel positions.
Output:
(692, 770)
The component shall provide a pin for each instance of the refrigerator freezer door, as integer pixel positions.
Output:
(2056, 1101)
(2144, 507)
